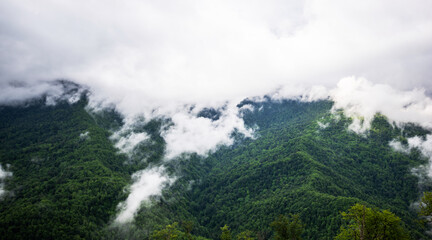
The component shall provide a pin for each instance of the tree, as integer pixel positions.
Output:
(226, 233)
(426, 204)
(188, 227)
(288, 228)
(246, 235)
(169, 232)
(370, 224)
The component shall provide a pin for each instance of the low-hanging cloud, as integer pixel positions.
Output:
(422, 144)
(200, 135)
(161, 53)
(3, 174)
(362, 99)
(127, 138)
(144, 56)
(147, 183)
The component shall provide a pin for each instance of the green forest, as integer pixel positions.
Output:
(303, 176)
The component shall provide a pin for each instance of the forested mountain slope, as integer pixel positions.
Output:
(68, 177)
(304, 161)
(298, 166)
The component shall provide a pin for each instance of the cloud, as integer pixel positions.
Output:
(143, 56)
(424, 145)
(362, 99)
(164, 52)
(12, 93)
(399, 147)
(20, 92)
(84, 135)
(129, 136)
(147, 183)
(3, 174)
(201, 135)
(323, 125)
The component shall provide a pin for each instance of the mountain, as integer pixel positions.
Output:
(68, 177)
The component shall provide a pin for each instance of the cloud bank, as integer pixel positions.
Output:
(162, 53)
(360, 98)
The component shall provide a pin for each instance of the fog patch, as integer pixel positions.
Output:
(71, 93)
(399, 147)
(146, 183)
(322, 125)
(84, 136)
(422, 144)
(191, 134)
(361, 99)
(3, 175)
(130, 136)
(16, 93)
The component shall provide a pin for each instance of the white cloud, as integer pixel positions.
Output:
(153, 58)
(201, 135)
(399, 147)
(130, 135)
(3, 174)
(424, 145)
(16, 92)
(166, 53)
(147, 183)
(84, 135)
(362, 99)
(323, 125)
(127, 143)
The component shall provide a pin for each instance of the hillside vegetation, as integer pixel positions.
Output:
(68, 177)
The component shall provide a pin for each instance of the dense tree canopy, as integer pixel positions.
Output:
(68, 178)
(288, 228)
(370, 224)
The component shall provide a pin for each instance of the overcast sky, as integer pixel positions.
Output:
(170, 51)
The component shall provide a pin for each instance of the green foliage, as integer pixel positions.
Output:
(64, 186)
(246, 235)
(295, 166)
(370, 224)
(67, 187)
(226, 233)
(174, 232)
(288, 228)
(426, 204)
(171, 231)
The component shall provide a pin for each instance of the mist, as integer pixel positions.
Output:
(147, 183)
(161, 58)
(3, 174)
